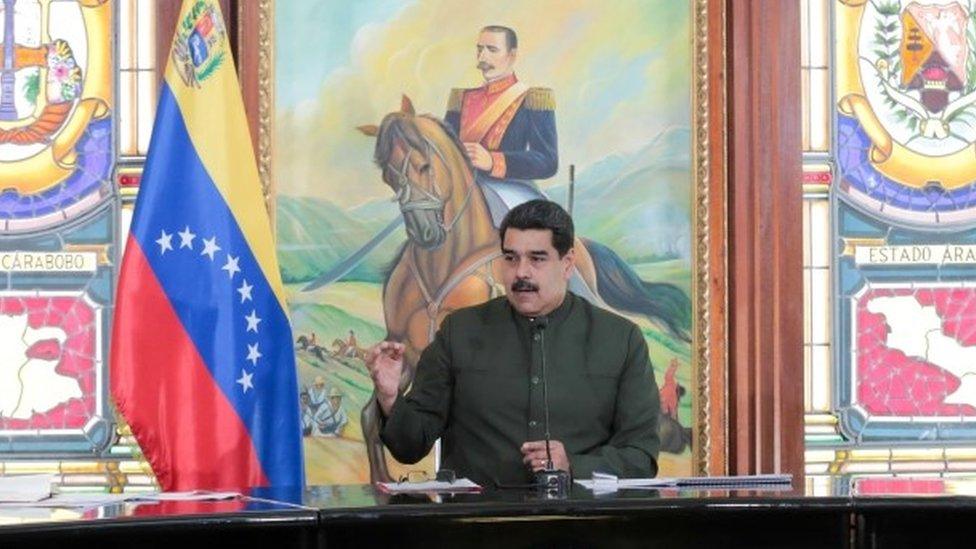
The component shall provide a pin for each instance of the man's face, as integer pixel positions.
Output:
(534, 274)
(495, 60)
(335, 402)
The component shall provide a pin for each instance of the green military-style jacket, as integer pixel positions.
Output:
(478, 386)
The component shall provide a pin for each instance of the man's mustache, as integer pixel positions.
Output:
(485, 66)
(522, 285)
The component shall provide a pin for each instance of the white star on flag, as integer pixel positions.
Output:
(245, 291)
(245, 380)
(164, 242)
(252, 354)
(210, 247)
(186, 238)
(231, 266)
(252, 321)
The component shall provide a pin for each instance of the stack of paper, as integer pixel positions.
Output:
(25, 488)
(35, 491)
(459, 485)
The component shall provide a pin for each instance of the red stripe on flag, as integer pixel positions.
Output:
(185, 425)
(172, 508)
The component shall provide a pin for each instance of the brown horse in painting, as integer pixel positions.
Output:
(452, 256)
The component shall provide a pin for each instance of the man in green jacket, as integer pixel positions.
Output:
(480, 386)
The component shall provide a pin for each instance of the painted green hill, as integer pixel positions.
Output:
(639, 204)
(314, 235)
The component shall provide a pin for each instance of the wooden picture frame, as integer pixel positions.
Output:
(710, 453)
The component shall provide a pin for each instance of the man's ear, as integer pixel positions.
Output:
(570, 259)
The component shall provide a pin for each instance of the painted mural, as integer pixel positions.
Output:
(612, 82)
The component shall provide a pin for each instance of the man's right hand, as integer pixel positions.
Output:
(385, 363)
(479, 156)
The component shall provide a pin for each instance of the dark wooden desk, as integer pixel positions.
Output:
(172, 525)
(353, 515)
(869, 513)
(908, 513)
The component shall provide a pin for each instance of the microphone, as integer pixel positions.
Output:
(553, 482)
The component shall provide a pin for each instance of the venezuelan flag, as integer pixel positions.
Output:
(202, 365)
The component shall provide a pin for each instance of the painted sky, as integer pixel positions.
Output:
(620, 72)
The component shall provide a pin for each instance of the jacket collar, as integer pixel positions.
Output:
(500, 85)
(554, 318)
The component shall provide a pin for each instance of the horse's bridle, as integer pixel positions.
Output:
(429, 200)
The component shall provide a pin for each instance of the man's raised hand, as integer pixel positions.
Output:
(385, 363)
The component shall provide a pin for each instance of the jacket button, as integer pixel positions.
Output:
(533, 423)
(535, 380)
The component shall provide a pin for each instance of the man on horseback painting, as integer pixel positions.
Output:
(480, 384)
(508, 129)
(454, 180)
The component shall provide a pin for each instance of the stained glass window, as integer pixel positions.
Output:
(889, 225)
(136, 75)
(77, 94)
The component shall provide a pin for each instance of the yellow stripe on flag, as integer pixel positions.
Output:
(209, 97)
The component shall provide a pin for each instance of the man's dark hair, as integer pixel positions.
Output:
(511, 39)
(542, 214)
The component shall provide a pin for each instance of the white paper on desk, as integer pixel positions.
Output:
(459, 485)
(25, 488)
(73, 500)
(195, 495)
(604, 483)
(97, 499)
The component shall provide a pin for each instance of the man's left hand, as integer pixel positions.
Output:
(534, 455)
(480, 157)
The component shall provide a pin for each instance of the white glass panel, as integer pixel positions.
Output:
(822, 456)
(805, 109)
(819, 112)
(146, 36)
(818, 33)
(806, 233)
(147, 108)
(127, 52)
(820, 233)
(820, 306)
(822, 486)
(918, 466)
(865, 467)
(807, 378)
(820, 377)
(816, 469)
(804, 33)
(127, 118)
(807, 306)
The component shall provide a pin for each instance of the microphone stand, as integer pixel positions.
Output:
(552, 482)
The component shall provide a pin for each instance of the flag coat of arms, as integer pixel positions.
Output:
(202, 366)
